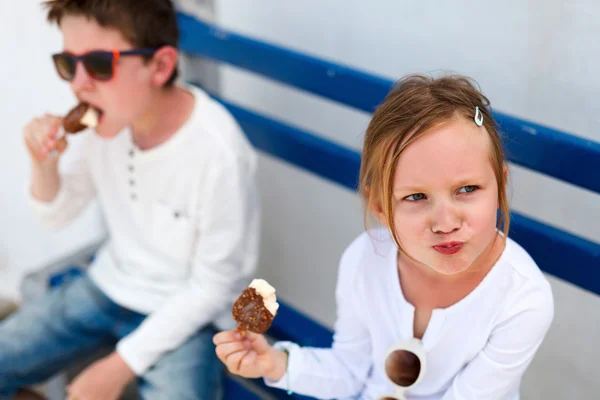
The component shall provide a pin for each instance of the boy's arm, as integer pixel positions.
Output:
(496, 371)
(225, 257)
(45, 180)
(57, 196)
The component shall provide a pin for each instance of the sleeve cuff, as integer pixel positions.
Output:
(294, 355)
(44, 209)
(132, 356)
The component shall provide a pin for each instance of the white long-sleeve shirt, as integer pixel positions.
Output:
(478, 348)
(183, 222)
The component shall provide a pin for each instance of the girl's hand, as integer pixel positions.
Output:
(250, 355)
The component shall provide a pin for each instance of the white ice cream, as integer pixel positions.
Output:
(90, 118)
(267, 292)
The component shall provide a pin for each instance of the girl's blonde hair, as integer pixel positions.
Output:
(416, 104)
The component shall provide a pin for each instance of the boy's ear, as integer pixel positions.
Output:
(164, 63)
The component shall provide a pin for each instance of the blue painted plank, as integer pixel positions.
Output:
(551, 152)
(294, 326)
(345, 85)
(234, 390)
(278, 393)
(566, 256)
(543, 149)
(301, 148)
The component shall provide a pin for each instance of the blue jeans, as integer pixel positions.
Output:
(77, 319)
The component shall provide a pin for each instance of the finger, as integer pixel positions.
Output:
(61, 144)
(249, 360)
(234, 361)
(51, 127)
(242, 358)
(34, 145)
(224, 337)
(226, 349)
(39, 135)
(54, 128)
(70, 394)
(49, 145)
(29, 139)
(259, 342)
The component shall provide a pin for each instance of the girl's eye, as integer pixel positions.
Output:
(468, 189)
(415, 197)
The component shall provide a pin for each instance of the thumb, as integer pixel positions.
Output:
(55, 126)
(259, 343)
(61, 144)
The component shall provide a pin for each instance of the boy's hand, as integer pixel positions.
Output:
(250, 356)
(105, 379)
(40, 137)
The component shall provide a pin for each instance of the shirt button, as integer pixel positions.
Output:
(131, 153)
(131, 169)
(131, 182)
(133, 196)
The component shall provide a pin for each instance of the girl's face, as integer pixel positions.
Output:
(445, 197)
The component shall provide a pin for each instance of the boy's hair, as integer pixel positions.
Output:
(415, 105)
(144, 23)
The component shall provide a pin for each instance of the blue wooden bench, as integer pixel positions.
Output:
(540, 148)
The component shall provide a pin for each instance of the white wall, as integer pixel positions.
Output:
(30, 87)
(535, 59)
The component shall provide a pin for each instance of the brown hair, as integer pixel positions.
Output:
(145, 24)
(416, 104)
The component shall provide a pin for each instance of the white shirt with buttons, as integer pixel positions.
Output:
(183, 222)
(478, 348)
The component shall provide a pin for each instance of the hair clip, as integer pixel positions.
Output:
(478, 117)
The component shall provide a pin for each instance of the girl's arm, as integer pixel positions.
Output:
(337, 372)
(495, 373)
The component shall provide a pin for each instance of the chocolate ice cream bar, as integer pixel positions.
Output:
(255, 309)
(80, 117)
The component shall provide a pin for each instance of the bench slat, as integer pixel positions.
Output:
(234, 390)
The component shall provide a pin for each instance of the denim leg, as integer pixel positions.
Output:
(190, 372)
(44, 336)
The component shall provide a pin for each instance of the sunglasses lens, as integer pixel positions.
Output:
(65, 66)
(99, 65)
(403, 367)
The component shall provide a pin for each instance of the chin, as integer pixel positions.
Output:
(447, 266)
(107, 132)
(451, 270)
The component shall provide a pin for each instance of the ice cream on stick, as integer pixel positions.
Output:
(255, 309)
(80, 117)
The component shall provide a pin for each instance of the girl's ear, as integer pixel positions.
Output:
(377, 209)
(505, 173)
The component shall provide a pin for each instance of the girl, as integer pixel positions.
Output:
(440, 303)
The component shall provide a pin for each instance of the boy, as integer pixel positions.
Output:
(175, 179)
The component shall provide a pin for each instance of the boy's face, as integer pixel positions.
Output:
(124, 98)
(446, 196)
